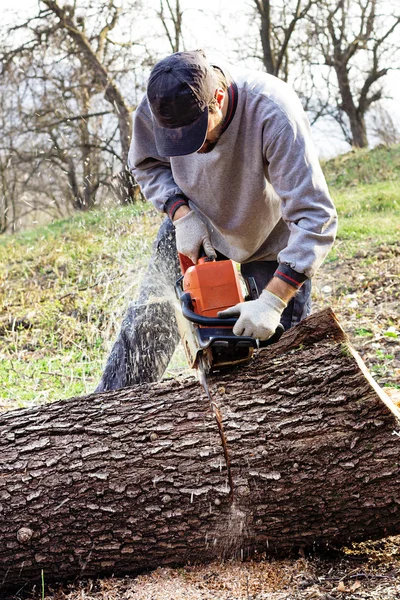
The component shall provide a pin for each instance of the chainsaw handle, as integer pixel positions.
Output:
(190, 315)
(185, 262)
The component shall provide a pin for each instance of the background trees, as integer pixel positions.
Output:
(74, 122)
(278, 22)
(73, 72)
(356, 40)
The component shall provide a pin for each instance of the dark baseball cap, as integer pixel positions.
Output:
(179, 91)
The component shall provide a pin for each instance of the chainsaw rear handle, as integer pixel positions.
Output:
(190, 315)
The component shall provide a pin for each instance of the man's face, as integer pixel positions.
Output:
(215, 121)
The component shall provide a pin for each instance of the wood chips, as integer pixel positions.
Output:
(369, 570)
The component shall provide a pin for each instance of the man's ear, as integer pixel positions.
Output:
(219, 96)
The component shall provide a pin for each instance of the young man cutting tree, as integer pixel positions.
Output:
(230, 160)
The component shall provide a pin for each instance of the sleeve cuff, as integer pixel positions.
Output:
(290, 276)
(173, 203)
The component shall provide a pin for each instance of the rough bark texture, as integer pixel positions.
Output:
(355, 114)
(133, 479)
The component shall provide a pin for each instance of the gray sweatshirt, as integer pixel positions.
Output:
(261, 190)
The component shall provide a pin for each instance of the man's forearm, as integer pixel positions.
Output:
(281, 289)
(181, 212)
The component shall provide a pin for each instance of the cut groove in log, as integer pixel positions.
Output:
(134, 479)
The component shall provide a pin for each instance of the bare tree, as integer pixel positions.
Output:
(92, 52)
(73, 135)
(356, 41)
(8, 179)
(20, 159)
(171, 19)
(278, 21)
(81, 67)
(52, 137)
(80, 37)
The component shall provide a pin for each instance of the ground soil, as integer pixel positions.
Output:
(364, 292)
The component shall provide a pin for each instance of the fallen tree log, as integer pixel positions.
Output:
(128, 480)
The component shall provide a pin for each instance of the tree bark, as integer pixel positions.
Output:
(133, 479)
(264, 8)
(355, 114)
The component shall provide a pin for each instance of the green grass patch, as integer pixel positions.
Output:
(63, 289)
(362, 332)
(30, 381)
(365, 186)
(369, 216)
(113, 220)
(391, 334)
(363, 166)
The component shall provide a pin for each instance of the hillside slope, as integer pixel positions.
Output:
(64, 288)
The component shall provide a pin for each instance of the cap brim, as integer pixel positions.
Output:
(180, 141)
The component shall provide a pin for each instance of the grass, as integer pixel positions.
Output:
(363, 332)
(369, 211)
(363, 167)
(64, 288)
(365, 186)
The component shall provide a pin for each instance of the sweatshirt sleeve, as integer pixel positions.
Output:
(307, 208)
(151, 171)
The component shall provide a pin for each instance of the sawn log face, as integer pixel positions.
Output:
(134, 479)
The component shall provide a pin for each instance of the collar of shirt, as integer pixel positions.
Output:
(232, 104)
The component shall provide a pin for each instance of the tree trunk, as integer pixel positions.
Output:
(359, 131)
(356, 116)
(264, 8)
(133, 479)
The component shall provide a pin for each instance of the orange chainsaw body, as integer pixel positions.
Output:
(212, 285)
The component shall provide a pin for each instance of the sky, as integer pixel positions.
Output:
(199, 33)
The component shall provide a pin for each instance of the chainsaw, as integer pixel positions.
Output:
(203, 290)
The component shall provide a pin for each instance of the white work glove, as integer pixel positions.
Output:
(257, 318)
(191, 234)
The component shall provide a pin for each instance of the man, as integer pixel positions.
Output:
(231, 162)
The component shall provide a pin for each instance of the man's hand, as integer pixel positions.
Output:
(191, 234)
(257, 318)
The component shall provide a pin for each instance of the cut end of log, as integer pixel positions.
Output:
(389, 400)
